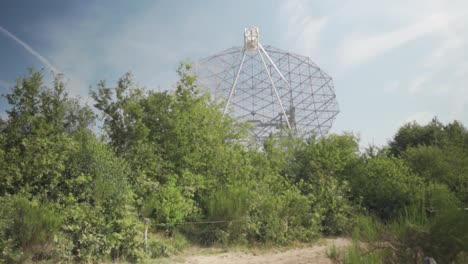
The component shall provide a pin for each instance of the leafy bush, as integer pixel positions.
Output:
(446, 165)
(441, 233)
(332, 205)
(225, 217)
(27, 229)
(318, 169)
(386, 185)
(168, 205)
(99, 217)
(94, 235)
(447, 237)
(166, 246)
(280, 213)
(175, 158)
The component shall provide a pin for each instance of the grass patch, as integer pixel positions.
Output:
(333, 253)
(357, 254)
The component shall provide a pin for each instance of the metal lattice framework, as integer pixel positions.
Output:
(270, 88)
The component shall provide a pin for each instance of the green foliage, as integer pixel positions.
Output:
(26, 229)
(318, 169)
(367, 228)
(94, 174)
(228, 202)
(282, 215)
(386, 185)
(447, 236)
(441, 234)
(50, 157)
(168, 205)
(413, 135)
(331, 155)
(174, 158)
(333, 253)
(164, 137)
(164, 246)
(95, 234)
(36, 136)
(433, 134)
(99, 198)
(368, 244)
(446, 165)
(357, 255)
(436, 152)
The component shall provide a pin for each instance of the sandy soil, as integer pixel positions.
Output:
(313, 254)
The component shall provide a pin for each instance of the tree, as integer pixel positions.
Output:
(36, 135)
(413, 134)
(179, 138)
(386, 185)
(51, 161)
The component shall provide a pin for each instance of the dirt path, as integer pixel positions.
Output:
(313, 254)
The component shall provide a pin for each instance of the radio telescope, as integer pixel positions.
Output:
(274, 90)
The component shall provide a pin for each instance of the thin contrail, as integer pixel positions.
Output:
(29, 49)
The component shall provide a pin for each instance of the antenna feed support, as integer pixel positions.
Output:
(251, 37)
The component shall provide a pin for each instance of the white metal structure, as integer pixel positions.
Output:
(272, 89)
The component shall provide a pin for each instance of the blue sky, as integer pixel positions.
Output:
(392, 61)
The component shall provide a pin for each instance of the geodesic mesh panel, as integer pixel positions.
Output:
(255, 91)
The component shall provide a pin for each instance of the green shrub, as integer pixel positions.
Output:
(226, 217)
(386, 185)
(27, 229)
(355, 254)
(447, 237)
(441, 232)
(332, 204)
(445, 165)
(367, 228)
(167, 205)
(368, 245)
(95, 236)
(280, 213)
(166, 246)
(269, 224)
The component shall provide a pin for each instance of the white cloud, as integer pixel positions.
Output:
(355, 33)
(303, 29)
(417, 84)
(92, 48)
(452, 41)
(437, 69)
(350, 33)
(461, 70)
(360, 49)
(29, 49)
(391, 87)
